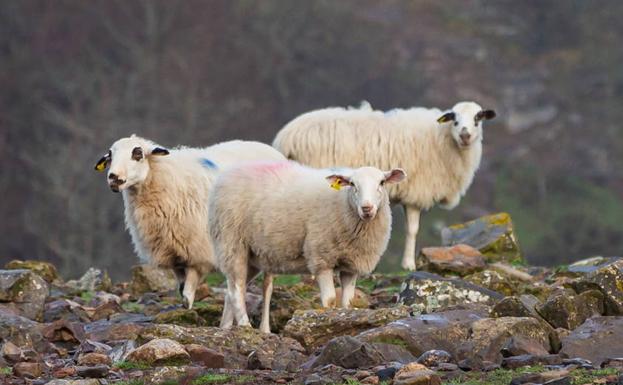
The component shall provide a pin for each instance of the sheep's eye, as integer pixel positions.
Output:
(456, 123)
(137, 153)
(382, 183)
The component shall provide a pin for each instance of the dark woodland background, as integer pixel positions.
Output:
(77, 75)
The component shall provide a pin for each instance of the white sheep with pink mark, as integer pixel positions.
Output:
(440, 150)
(286, 218)
(165, 193)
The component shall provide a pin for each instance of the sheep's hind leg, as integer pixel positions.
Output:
(227, 319)
(190, 286)
(412, 215)
(327, 288)
(347, 281)
(268, 291)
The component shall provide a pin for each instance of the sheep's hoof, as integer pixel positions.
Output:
(187, 304)
(408, 265)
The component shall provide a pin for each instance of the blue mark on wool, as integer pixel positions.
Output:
(205, 162)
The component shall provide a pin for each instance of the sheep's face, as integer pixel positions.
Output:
(466, 120)
(128, 159)
(367, 188)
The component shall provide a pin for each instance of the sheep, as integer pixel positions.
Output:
(440, 150)
(165, 194)
(282, 217)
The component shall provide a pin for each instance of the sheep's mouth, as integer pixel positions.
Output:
(366, 217)
(115, 187)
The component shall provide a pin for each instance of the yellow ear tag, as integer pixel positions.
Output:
(101, 166)
(336, 185)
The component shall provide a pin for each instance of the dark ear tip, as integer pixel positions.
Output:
(160, 151)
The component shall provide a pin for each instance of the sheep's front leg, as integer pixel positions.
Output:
(347, 281)
(268, 291)
(190, 286)
(327, 288)
(180, 274)
(412, 215)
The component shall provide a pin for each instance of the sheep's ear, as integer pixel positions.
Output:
(485, 115)
(159, 151)
(338, 181)
(447, 117)
(102, 163)
(394, 176)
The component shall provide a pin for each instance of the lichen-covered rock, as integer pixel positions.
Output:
(313, 328)
(180, 317)
(65, 309)
(569, 311)
(94, 359)
(490, 335)
(531, 360)
(21, 331)
(522, 306)
(160, 352)
(93, 280)
(286, 301)
(493, 235)
(520, 346)
(24, 291)
(416, 374)
(496, 281)
(609, 280)
(461, 259)
(444, 330)
(596, 340)
(590, 265)
(425, 292)
(280, 353)
(348, 352)
(433, 358)
(208, 358)
(148, 278)
(45, 270)
(28, 369)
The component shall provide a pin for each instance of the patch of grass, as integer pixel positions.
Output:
(287, 280)
(214, 279)
(131, 382)
(495, 377)
(132, 307)
(87, 296)
(170, 382)
(126, 365)
(391, 341)
(220, 379)
(6, 371)
(366, 284)
(583, 376)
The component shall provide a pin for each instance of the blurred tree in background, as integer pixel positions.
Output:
(75, 76)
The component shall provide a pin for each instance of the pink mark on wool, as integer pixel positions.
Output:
(269, 167)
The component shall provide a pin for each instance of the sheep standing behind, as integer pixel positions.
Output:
(439, 150)
(165, 193)
(282, 217)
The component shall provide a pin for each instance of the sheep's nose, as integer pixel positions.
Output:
(367, 209)
(465, 136)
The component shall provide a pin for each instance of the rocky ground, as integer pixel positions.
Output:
(472, 314)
